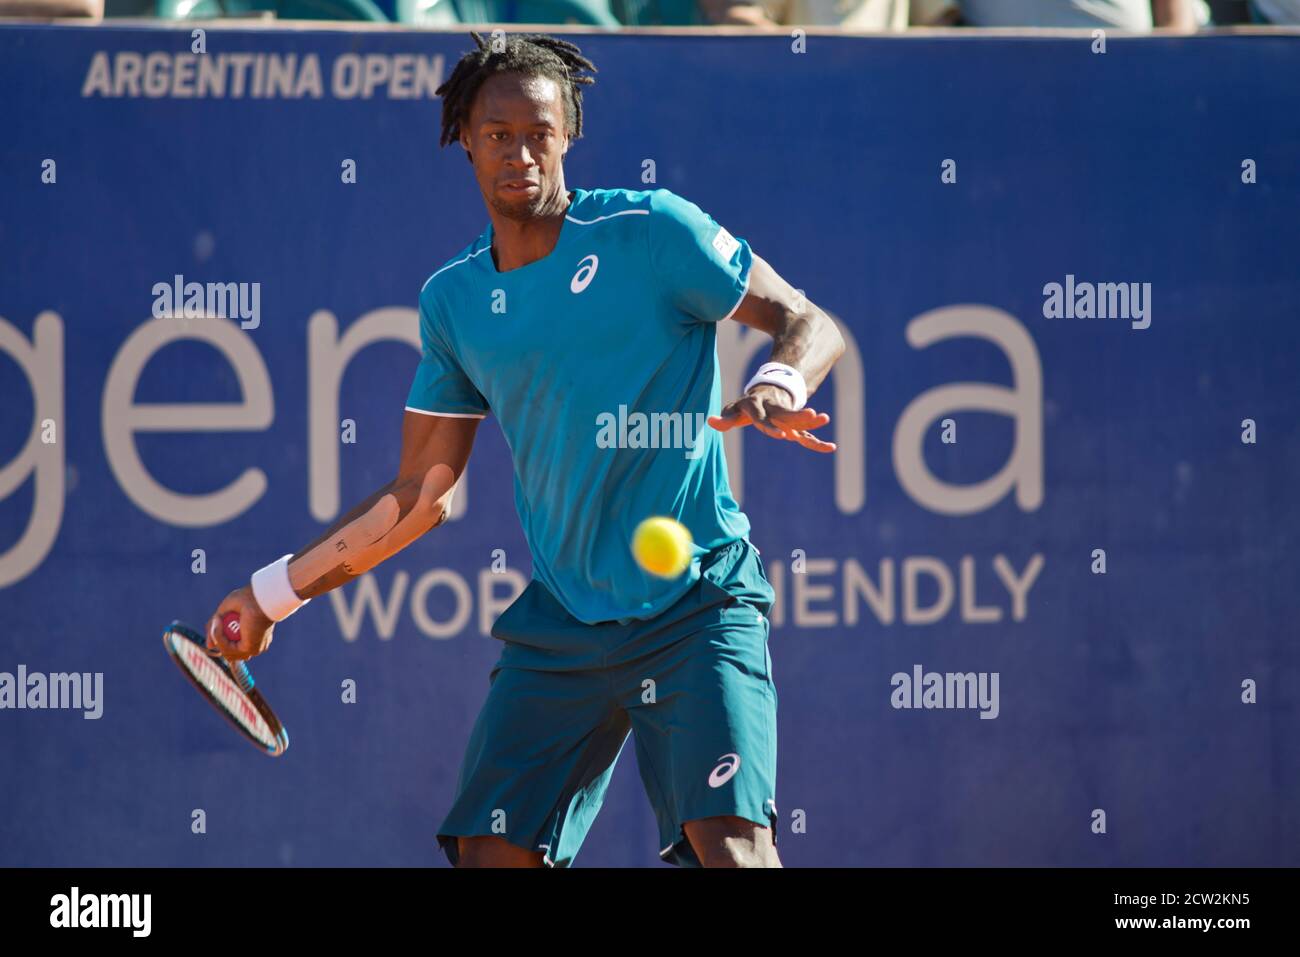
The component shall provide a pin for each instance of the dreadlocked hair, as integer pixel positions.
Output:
(535, 54)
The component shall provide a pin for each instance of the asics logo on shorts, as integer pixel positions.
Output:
(725, 771)
(585, 274)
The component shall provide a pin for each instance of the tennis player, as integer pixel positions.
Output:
(577, 307)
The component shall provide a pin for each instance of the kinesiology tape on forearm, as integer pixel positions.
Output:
(392, 523)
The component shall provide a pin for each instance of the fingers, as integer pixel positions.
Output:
(810, 441)
(253, 630)
(256, 630)
(729, 420)
(211, 645)
(252, 639)
(794, 427)
(737, 418)
(218, 644)
(776, 423)
(803, 419)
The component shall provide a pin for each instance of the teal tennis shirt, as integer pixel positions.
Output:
(600, 363)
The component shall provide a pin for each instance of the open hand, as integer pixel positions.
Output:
(767, 408)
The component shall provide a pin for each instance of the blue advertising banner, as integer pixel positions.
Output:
(1038, 609)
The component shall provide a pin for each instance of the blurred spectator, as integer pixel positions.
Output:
(661, 13)
(1228, 12)
(865, 15)
(52, 8)
(441, 13)
(589, 12)
(860, 15)
(1281, 12)
(129, 8)
(1136, 16)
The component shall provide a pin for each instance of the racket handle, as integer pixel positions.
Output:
(230, 627)
(243, 677)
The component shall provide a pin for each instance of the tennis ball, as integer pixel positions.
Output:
(662, 546)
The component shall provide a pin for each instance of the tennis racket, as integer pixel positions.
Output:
(227, 685)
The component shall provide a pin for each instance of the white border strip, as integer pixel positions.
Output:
(459, 261)
(447, 415)
(621, 212)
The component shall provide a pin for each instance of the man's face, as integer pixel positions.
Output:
(516, 135)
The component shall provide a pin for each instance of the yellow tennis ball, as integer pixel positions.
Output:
(662, 546)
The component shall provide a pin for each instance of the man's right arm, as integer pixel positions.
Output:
(435, 450)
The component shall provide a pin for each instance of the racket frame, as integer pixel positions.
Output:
(237, 672)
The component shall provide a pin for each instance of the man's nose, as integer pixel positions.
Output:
(520, 155)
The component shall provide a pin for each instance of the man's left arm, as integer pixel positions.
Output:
(804, 338)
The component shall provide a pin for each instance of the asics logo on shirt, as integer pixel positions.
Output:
(586, 272)
(725, 771)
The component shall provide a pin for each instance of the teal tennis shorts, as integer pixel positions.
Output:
(693, 685)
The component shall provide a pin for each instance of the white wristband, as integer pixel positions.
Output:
(784, 376)
(275, 596)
